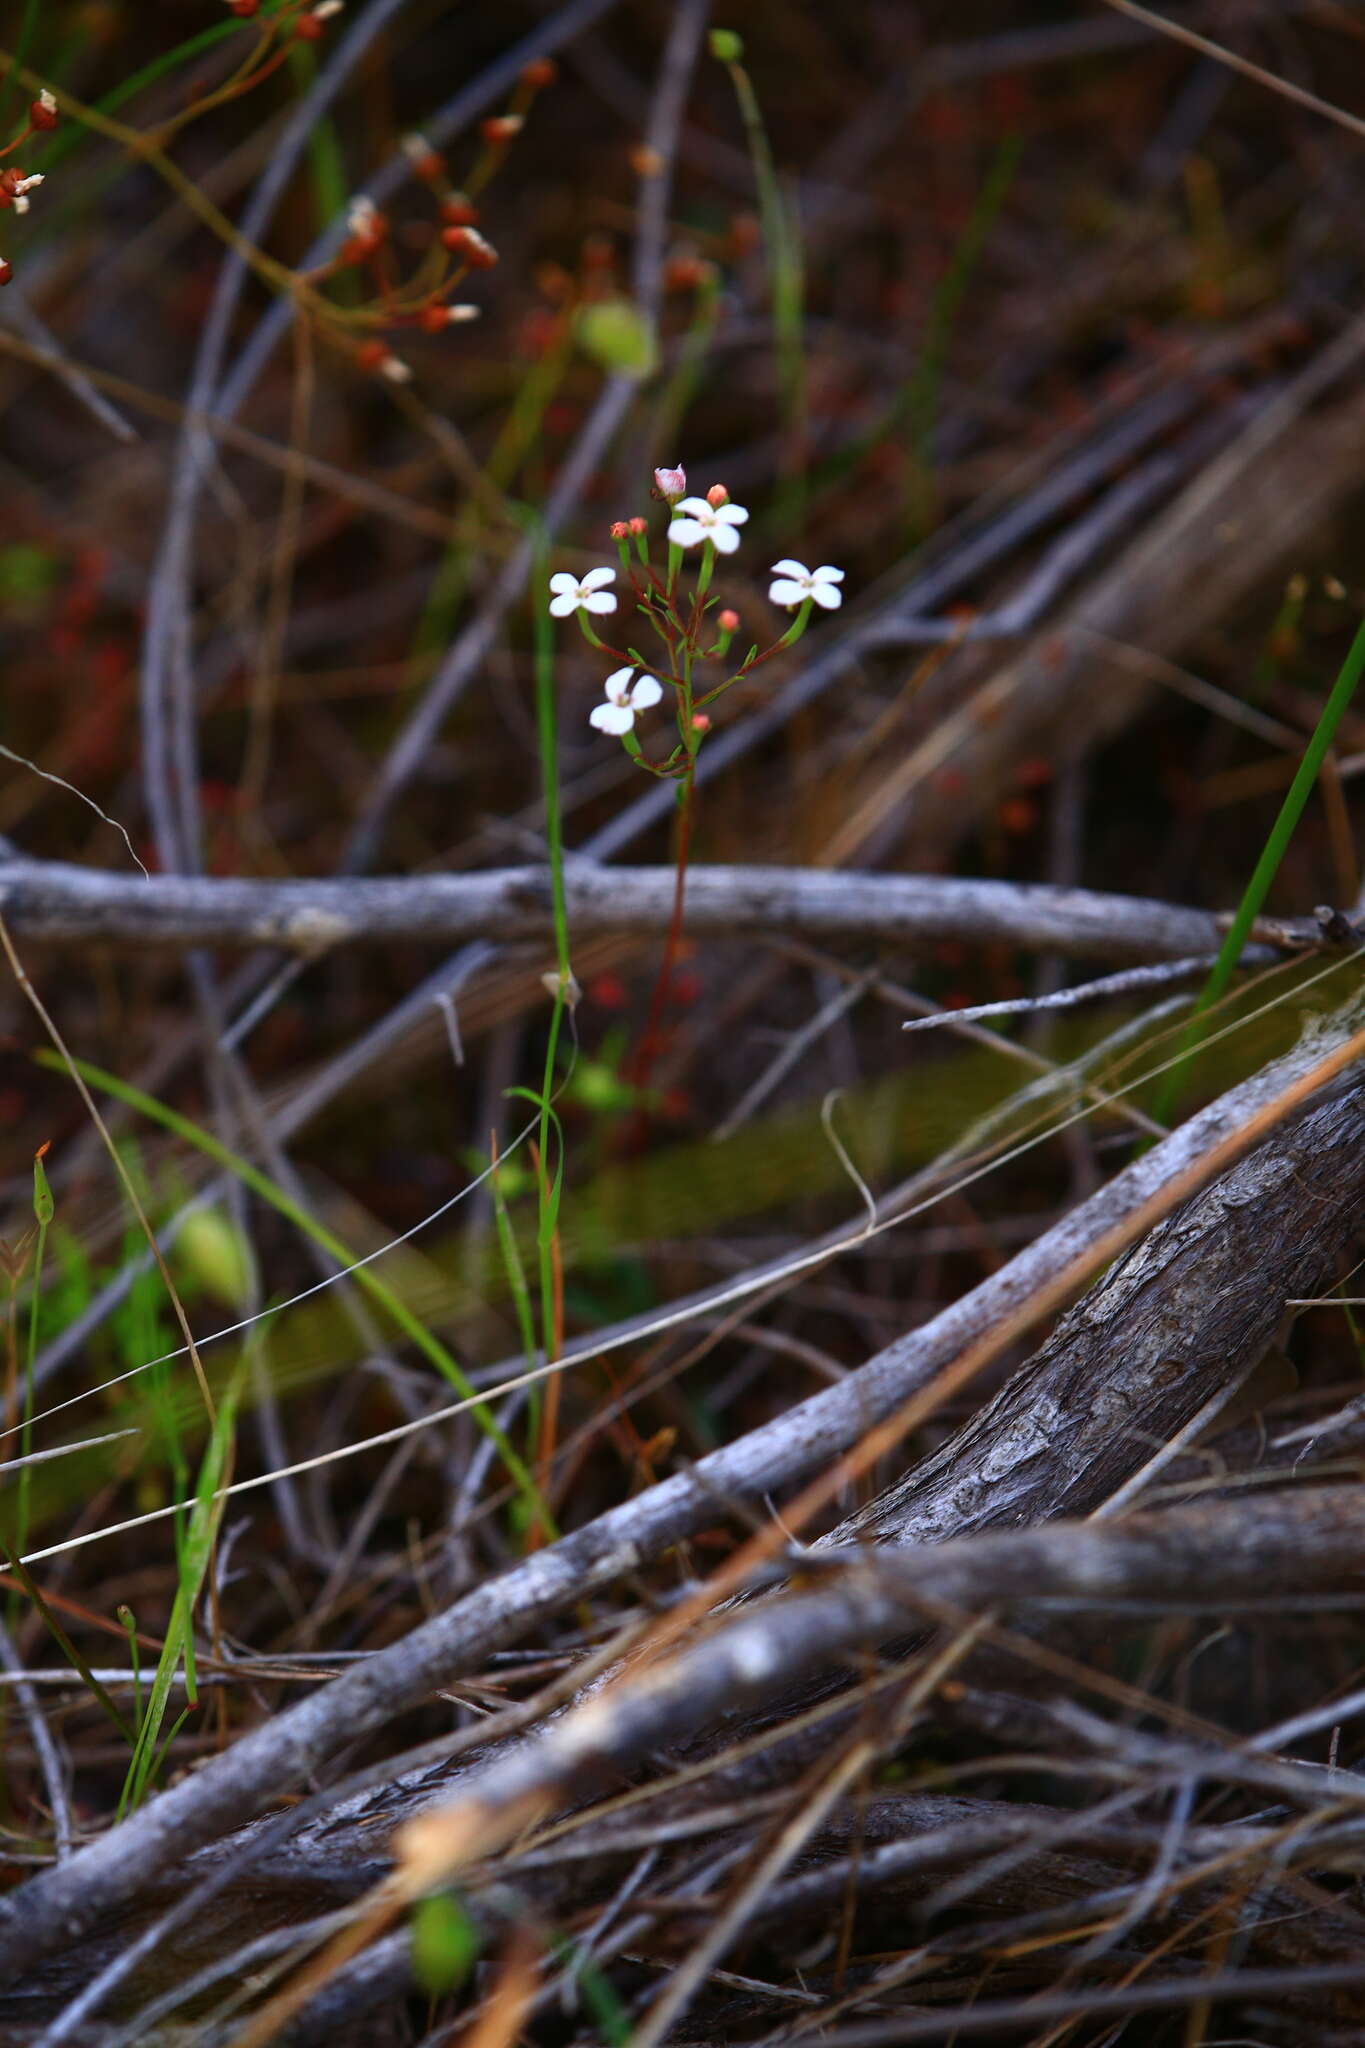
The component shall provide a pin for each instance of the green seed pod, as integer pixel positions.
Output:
(212, 1252)
(42, 1193)
(616, 335)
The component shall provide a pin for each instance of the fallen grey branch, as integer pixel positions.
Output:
(53, 900)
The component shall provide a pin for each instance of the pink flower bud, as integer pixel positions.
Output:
(671, 484)
(717, 496)
(620, 530)
(728, 621)
(638, 525)
(701, 721)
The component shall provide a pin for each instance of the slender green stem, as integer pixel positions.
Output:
(548, 1184)
(1273, 852)
(412, 1327)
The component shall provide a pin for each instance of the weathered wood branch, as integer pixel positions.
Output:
(55, 901)
(1292, 1543)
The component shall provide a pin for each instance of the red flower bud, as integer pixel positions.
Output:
(728, 621)
(469, 244)
(500, 128)
(372, 355)
(6, 270)
(43, 112)
(540, 72)
(459, 212)
(638, 525)
(717, 496)
(619, 529)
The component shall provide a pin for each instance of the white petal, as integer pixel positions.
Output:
(733, 515)
(786, 592)
(726, 539)
(698, 507)
(565, 605)
(612, 718)
(827, 594)
(645, 693)
(563, 581)
(617, 685)
(688, 533)
(600, 601)
(790, 568)
(595, 578)
(827, 575)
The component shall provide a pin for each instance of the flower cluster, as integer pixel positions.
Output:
(681, 620)
(455, 245)
(16, 184)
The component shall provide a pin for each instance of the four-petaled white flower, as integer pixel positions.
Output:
(623, 703)
(795, 583)
(569, 593)
(695, 521)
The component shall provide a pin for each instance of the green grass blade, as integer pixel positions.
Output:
(1267, 867)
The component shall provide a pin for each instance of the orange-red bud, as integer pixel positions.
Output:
(43, 112)
(459, 212)
(717, 496)
(728, 621)
(470, 244)
(499, 129)
(540, 72)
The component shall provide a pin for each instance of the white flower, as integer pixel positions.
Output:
(670, 483)
(569, 593)
(623, 703)
(795, 583)
(695, 521)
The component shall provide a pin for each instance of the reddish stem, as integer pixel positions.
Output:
(649, 1042)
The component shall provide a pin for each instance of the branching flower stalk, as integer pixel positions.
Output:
(695, 630)
(424, 302)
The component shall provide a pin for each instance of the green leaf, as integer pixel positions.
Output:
(617, 335)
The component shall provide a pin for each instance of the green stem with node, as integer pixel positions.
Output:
(797, 626)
